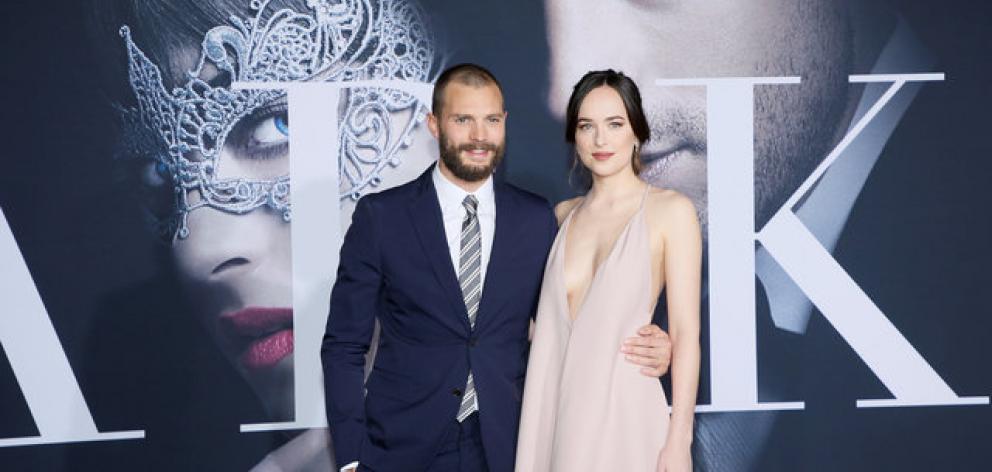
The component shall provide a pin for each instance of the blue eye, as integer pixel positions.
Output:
(282, 124)
(263, 134)
(161, 169)
(155, 174)
(271, 130)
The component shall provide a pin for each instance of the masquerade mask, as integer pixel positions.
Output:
(182, 132)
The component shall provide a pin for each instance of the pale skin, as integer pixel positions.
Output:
(605, 143)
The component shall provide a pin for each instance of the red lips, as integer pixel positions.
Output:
(264, 334)
(602, 156)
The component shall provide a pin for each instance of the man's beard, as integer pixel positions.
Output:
(463, 170)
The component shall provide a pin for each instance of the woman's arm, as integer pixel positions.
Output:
(682, 266)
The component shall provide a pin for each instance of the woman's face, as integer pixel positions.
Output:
(233, 251)
(604, 138)
(237, 269)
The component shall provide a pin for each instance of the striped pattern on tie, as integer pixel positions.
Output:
(470, 280)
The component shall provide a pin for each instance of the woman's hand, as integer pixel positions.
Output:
(675, 458)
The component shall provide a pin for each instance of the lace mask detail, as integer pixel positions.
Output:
(181, 132)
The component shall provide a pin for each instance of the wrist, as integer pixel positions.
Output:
(678, 441)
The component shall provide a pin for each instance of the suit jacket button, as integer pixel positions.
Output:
(457, 392)
(472, 342)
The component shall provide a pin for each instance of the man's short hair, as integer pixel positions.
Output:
(469, 74)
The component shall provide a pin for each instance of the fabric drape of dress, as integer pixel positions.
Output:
(585, 408)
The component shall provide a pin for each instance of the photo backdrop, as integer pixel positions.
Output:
(168, 245)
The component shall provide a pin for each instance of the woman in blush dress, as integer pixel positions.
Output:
(584, 407)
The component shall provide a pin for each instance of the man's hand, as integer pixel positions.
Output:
(651, 349)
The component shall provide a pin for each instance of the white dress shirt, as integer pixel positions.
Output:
(450, 196)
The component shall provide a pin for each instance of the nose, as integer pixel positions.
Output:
(236, 249)
(223, 247)
(478, 132)
(230, 264)
(599, 138)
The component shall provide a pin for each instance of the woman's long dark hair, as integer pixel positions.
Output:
(631, 97)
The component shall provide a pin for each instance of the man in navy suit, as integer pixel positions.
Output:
(451, 266)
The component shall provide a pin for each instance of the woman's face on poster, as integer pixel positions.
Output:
(237, 269)
(236, 266)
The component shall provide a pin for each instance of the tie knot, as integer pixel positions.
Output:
(471, 204)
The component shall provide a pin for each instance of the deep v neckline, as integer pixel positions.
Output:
(571, 316)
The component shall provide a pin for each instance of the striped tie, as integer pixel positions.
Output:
(470, 280)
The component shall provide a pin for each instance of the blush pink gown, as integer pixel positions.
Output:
(585, 408)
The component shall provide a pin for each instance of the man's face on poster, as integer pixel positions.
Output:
(794, 125)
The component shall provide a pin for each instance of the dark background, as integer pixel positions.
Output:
(917, 242)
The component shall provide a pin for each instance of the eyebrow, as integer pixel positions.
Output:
(466, 115)
(609, 118)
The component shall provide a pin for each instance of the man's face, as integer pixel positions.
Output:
(471, 130)
(794, 125)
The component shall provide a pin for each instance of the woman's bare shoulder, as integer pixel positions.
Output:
(670, 206)
(563, 208)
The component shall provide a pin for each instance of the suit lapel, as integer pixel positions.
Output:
(425, 210)
(494, 289)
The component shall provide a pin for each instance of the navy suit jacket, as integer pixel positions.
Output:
(395, 266)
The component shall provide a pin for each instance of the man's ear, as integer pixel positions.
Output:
(432, 125)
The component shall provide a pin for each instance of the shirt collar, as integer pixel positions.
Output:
(450, 195)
